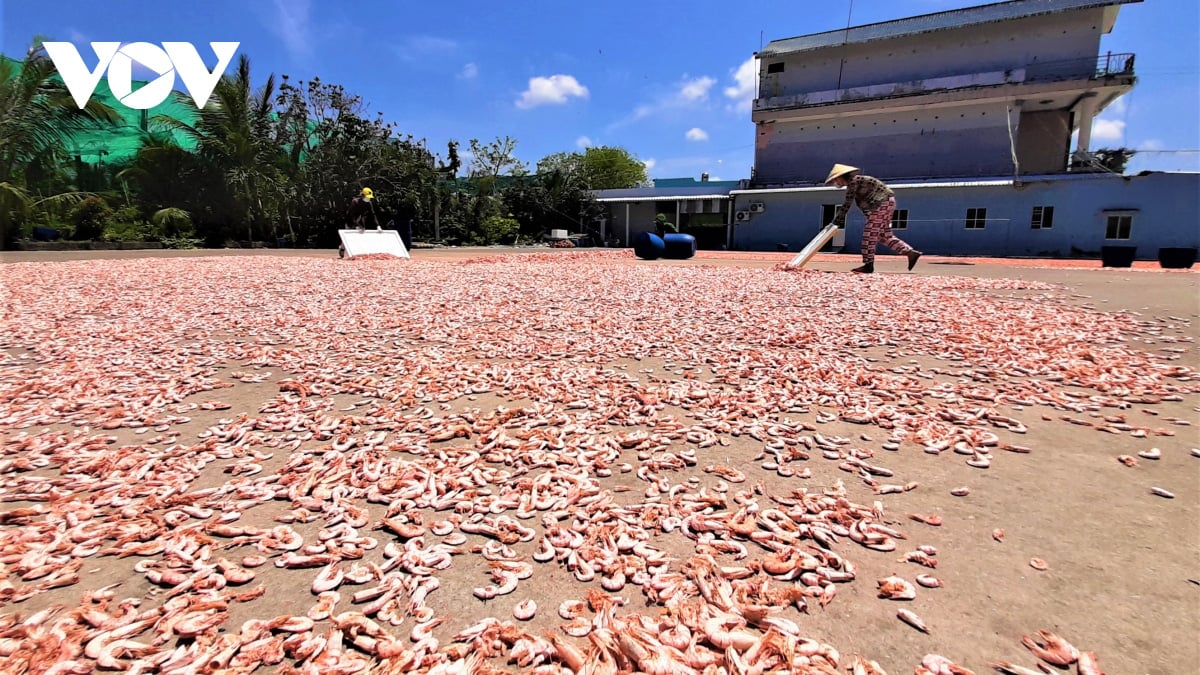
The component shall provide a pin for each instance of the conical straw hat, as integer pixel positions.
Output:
(840, 170)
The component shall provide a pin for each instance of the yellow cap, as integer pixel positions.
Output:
(367, 194)
(840, 170)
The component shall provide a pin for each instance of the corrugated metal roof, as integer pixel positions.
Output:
(693, 183)
(926, 23)
(668, 193)
(894, 186)
(993, 181)
(662, 197)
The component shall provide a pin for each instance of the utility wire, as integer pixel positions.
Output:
(845, 39)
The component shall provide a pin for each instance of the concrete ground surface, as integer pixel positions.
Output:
(1123, 575)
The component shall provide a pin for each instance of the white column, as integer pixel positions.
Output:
(1087, 112)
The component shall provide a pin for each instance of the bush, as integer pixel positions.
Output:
(127, 224)
(181, 242)
(499, 230)
(127, 231)
(90, 217)
(172, 223)
(128, 214)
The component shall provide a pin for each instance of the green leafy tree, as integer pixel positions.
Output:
(606, 168)
(37, 115)
(599, 168)
(164, 175)
(566, 163)
(240, 157)
(445, 183)
(495, 159)
(1114, 159)
(453, 162)
(557, 197)
(335, 150)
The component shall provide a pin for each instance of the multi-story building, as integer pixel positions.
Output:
(984, 91)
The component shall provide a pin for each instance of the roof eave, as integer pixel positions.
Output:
(1111, 8)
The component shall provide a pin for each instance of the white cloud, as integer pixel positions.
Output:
(696, 134)
(696, 89)
(642, 111)
(1108, 130)
(465, 157)
(649, 164)
(555, 89)
(742, 91)
(421, 47)
(77, 37)
(469, 72)
(689, 92)
(291, 25)
(583, 142)
(1151, 144)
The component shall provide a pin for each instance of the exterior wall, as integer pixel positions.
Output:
(967, 140)
(980, 48)
(1165, 207)
(1044, 141)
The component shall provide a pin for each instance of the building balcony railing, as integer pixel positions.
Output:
(1103, 67)
(1099, 68)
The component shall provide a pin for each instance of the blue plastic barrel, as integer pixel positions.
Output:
(648, 246)
(679, 246)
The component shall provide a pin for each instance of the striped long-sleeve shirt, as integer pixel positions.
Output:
(867, 192)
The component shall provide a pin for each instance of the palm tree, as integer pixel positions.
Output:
(163, 172)
(234, 133)
(37, 117)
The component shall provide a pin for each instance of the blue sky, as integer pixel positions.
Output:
(669, 81)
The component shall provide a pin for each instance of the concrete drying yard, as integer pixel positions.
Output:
(223, 461)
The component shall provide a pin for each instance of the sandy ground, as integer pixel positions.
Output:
(1124, 566)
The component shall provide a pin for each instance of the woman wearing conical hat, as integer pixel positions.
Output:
(877, 202)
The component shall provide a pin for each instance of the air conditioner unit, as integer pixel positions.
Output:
(757, 207)
(742, 216)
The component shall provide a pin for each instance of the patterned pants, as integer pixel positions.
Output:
(879, 231)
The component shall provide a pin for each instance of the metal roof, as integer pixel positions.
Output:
(926, 23)
(894, 186)
(664, 194)
(663, 198)
(693, 183)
